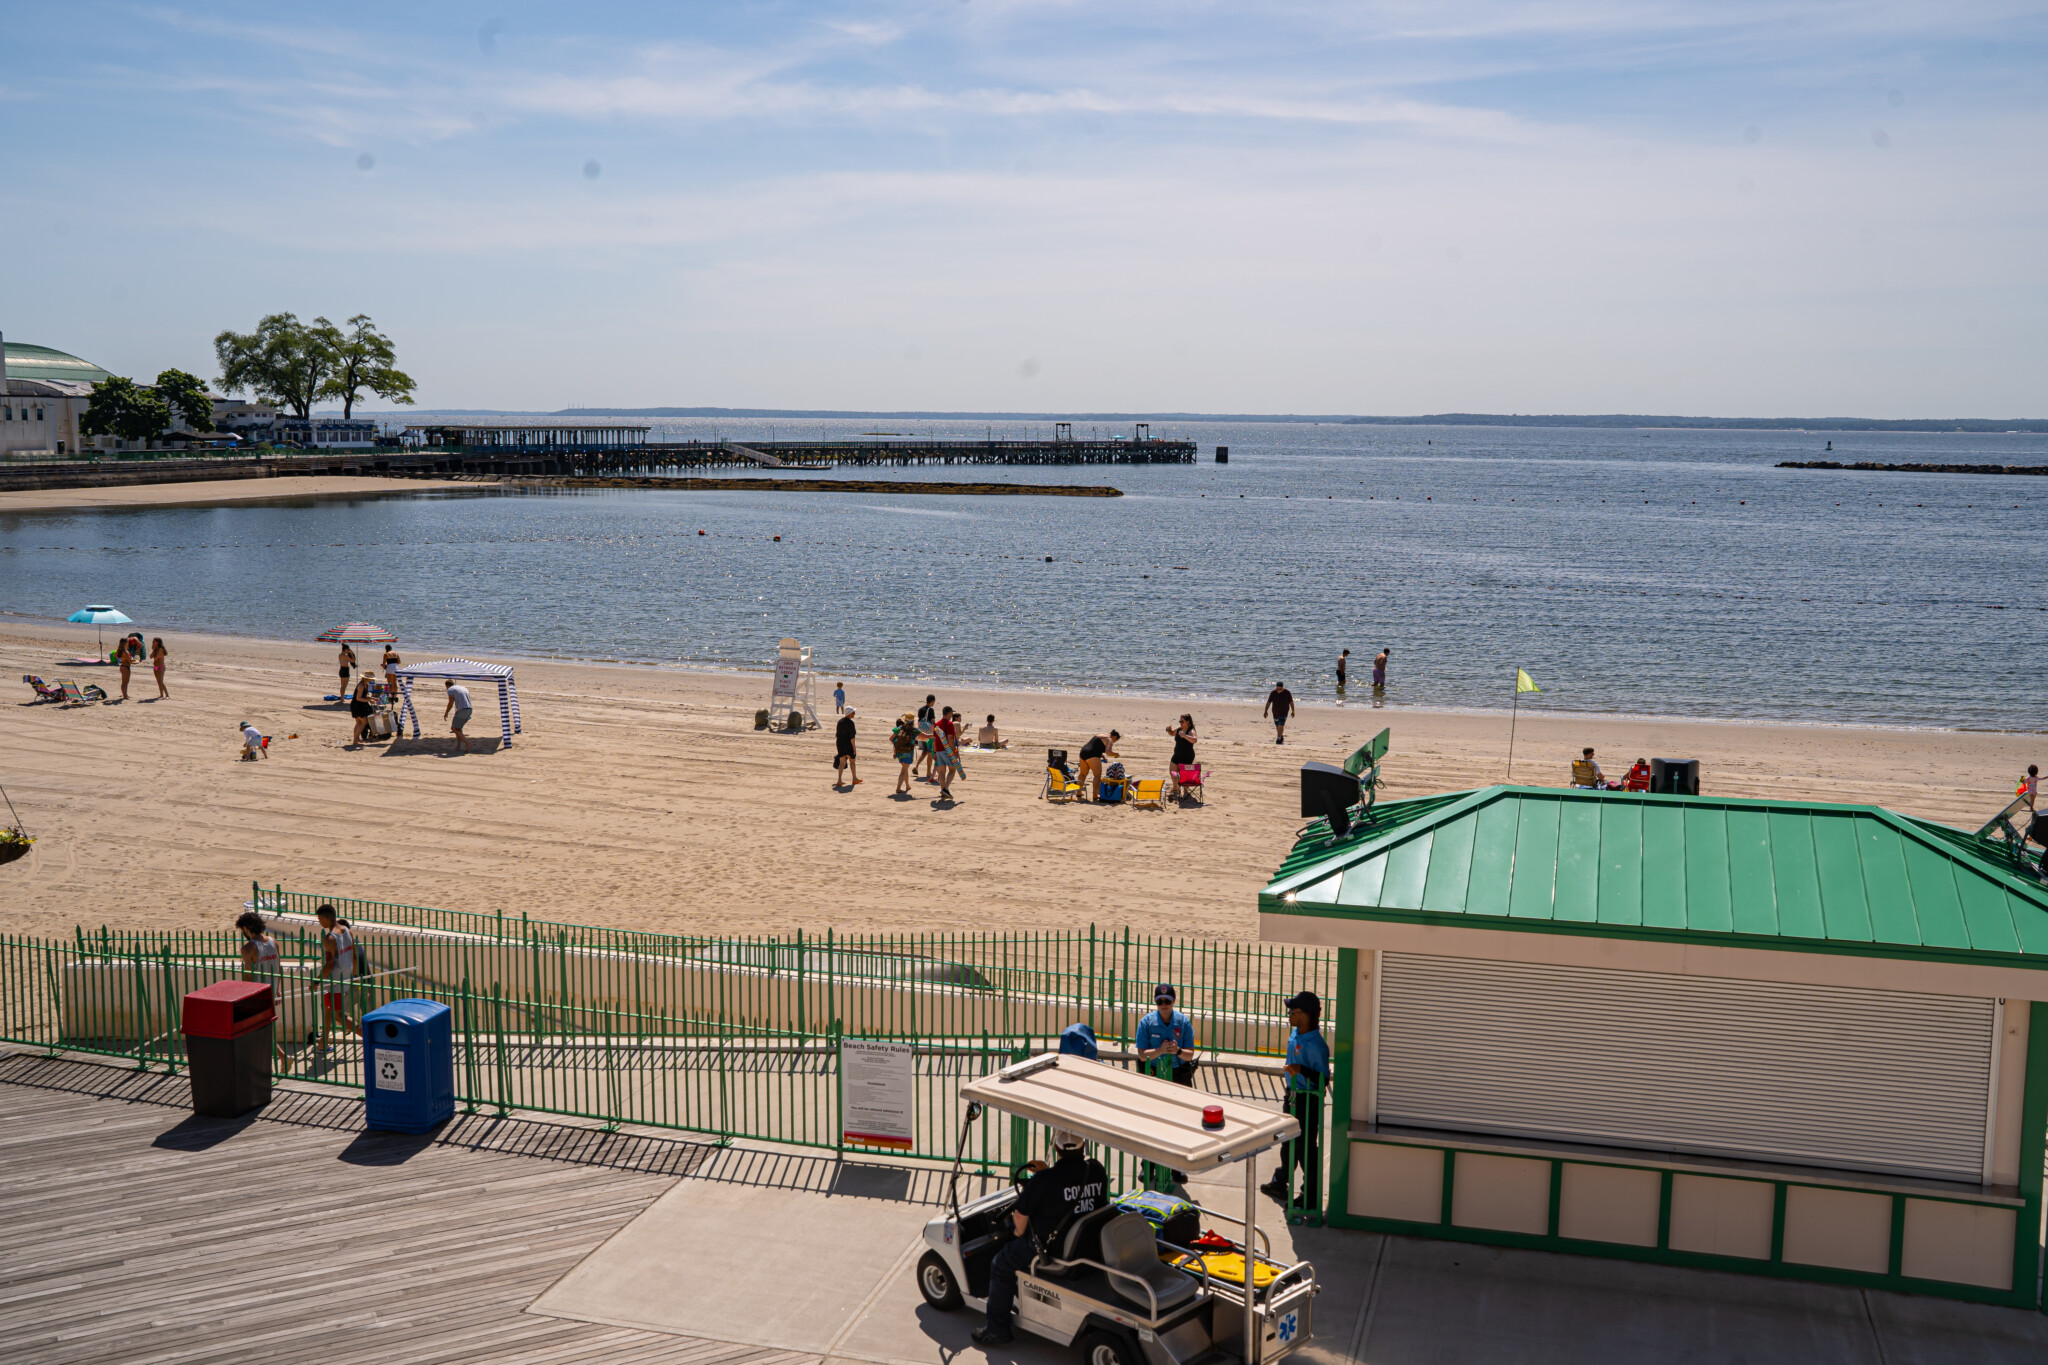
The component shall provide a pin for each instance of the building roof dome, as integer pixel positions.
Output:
(40, 362)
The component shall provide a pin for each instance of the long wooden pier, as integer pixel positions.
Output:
(643, 460)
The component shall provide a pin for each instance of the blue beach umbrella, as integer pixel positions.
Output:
(100, 616)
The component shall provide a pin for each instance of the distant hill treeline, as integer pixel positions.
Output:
(1440, 419)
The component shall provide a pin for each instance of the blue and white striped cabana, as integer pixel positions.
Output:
(465, 671)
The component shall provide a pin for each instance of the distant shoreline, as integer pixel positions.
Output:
(2025, 426)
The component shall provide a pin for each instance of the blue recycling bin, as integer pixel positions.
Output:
(409, 1066)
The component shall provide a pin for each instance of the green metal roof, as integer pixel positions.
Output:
(1776, 874)
(40, 362)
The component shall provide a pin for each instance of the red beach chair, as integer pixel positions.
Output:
(1187, 780)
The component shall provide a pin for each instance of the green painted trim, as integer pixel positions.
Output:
(1450, 1179)
(1337, 1189)
(2024, 1294)
(1898, 1248)
(2026, 1262)
(1271, 905)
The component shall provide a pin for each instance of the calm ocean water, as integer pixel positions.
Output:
(1648, 572)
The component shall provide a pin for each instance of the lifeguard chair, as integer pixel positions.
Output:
(795, 689)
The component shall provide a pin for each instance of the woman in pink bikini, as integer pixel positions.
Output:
(158, 657)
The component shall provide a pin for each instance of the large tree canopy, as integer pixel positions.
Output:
(284, 361)
(121, 407)
(363, 359)
(187, 397)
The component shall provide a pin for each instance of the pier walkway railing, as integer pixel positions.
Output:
(731, 1038)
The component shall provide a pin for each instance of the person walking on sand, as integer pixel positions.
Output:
(459, 707)
(949, 721)
(945, 759)
(362, 708)
(903, 739)
(391, 664)
(927, 717)
(1379, 669)
(158, 657)
(1279, 705)
(348, 662)
(843, 758)
(2030, 786)
(839, 698)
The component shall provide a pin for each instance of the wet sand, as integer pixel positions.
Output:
(211, 490)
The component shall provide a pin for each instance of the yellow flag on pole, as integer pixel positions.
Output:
(1525, 683)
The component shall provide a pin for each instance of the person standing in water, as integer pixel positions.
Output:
(1379, 670)
(1343, 669)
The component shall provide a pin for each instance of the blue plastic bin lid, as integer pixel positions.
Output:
(407, 1012)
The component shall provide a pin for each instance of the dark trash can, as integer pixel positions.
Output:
(230, 1033)
(408, 1066)
(1675, 776)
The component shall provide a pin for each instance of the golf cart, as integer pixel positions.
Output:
(1110, 1282)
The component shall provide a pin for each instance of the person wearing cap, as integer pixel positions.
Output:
(252, 741)
(843, 758)
(1308, 1071)
(1166, 1040)
(1073, 1185)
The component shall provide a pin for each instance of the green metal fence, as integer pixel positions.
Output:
(726, 1038)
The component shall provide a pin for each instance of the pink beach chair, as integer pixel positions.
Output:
(1187, 780)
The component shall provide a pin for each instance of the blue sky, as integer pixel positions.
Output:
(1734, 208)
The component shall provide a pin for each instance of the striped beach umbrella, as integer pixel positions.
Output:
(358, 633)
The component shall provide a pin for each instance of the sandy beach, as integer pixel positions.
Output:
(643, 797)
(211, 490)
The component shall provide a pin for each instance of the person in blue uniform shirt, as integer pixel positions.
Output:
(1073, 1185)
(1165, 1040)
(1308, 1072)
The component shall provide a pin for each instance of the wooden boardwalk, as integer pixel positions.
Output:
(132, 1232)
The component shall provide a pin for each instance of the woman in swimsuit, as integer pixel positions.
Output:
(124, 655)
(362, 708)
(348, 661)
(158, 657)
(1183, 752)
(1091, 759)
(945, 760)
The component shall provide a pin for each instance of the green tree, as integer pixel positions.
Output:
(284, 361)
(186, 396)
(362, 360)
(121, 407)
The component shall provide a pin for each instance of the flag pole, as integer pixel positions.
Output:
(1514, 715)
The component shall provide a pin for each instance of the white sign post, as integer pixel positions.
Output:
(877, 1093)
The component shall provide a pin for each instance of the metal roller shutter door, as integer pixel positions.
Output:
(1860, 1079)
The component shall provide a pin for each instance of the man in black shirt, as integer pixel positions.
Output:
(1073, 1185)
(1279, 705)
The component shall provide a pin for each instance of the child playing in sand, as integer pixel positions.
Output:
(252, 742)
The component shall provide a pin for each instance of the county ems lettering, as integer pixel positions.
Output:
(1075, 1184)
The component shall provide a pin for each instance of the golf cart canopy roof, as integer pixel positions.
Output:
(1147, 1117)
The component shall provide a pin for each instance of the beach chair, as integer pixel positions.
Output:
(44, 691)
(1150, 793)
(74, 695)
(1187, 781)
(1584, 774)
(1059, 787)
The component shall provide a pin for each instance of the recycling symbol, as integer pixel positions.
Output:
(390, 1071)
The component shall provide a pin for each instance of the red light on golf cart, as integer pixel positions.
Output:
(1212, 1116)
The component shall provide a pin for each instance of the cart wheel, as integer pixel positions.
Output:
(1106, 1348)
(935, 1282)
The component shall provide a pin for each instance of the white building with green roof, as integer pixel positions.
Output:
(1788, 1038)
(43, 393)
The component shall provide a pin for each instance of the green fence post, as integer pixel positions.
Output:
(838, 1095)
(469, 1076)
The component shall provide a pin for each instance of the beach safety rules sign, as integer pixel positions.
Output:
(877, 1088)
